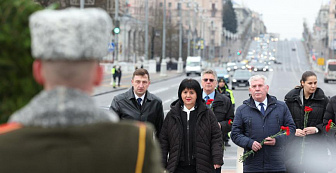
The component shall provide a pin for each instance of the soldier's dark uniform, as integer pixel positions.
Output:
(101, 147)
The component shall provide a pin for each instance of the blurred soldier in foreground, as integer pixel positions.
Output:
(61, 129)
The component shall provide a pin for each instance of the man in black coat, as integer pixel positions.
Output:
(139, 104)
(221, 104)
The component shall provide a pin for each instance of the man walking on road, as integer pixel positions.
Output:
(259, 117)
(61, 129)
(221, 105)
(138, 103)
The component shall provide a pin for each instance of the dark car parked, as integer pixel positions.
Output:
(240, 78)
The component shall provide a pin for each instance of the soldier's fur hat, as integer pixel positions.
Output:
(70, 34)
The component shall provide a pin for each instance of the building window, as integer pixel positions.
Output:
(213, 10)
(169, 4)
(86, 2)
(178, 6)
(335, 16)
(212, 41)
(161, 4)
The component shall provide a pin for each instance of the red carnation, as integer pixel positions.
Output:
(283, 128)
(330, 125)
(230, 122)
(308, 109)
(287, 131)
(209, 101)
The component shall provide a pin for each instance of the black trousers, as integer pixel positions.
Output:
(185, 169)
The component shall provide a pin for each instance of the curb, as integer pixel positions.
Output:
(155, 81)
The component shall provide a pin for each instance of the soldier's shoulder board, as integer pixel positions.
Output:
(8, 127)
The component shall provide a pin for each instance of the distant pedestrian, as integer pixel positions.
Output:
(309, 141)
(119, 73)
(138, 103)
(191, 140)
(114, 75)
(260, 117)
(221, 105)
(61, 129)
(224, 89)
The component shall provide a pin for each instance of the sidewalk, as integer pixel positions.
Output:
(106, 86)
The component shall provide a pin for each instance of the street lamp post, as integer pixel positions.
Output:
(180, 62)
(116, 17)
(163, 61)
(194, 30)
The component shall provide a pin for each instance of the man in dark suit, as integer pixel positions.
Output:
(138, 103)
(61, 129)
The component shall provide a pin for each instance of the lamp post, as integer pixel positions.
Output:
(180, 62)
(194, 29)
(163, 61)
(116, 17)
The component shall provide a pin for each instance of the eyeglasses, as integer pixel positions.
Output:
(211, 80)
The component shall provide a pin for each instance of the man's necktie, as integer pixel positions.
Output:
(206, 98)
(139, 101)
(262, 109)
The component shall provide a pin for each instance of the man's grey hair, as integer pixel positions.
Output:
(258, 77)
(209, 71)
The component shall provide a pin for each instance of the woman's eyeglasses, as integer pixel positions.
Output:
(211, 80)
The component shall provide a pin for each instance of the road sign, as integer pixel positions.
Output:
(320, 61)
(111, 47)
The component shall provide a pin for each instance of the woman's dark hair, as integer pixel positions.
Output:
(305, 75)
(190, 84)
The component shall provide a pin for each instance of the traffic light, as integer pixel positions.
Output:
(239, 52)
(116, 29)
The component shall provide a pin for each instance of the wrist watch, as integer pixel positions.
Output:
(316, 130)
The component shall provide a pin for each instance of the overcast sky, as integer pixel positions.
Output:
(286, 16)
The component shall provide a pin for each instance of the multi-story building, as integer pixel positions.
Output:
(320, 28)
(201, 20)
(332, 26)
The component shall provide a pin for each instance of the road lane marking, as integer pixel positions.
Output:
(159, 90)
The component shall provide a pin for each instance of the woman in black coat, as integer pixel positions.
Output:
(190, 138)
(309, 154)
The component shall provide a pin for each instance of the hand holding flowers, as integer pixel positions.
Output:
(267, 141)
(331, 125)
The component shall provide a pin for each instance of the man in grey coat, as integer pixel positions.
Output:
(138, 103)
(260, 117)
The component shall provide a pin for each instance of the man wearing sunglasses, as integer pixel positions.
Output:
(221, 104)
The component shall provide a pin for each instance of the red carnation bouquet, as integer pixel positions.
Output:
(307, 110)
(283, 131)
(331, 125)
